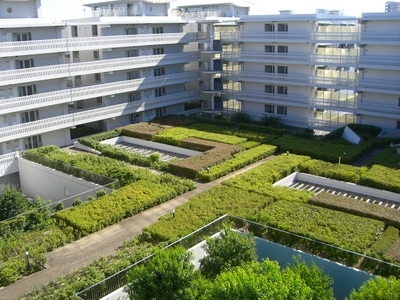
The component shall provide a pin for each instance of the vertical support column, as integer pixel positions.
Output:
(211, 62)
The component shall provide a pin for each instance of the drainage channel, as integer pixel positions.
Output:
(319, 189)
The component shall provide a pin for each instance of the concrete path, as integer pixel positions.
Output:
(67, 259)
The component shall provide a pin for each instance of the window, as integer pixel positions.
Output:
(159, 72)
(282, 69)
(74, 31)
(18, 37)
(99, 101)
(26, 90)
(269, 69)
(24, 64)
(69, 82)
(97, 77)
(94, 30)
(283, 27)
(160, 92)
(398, 125)
(269, 89)
(75, 56)
(269, 108)
(132, 97)
(30, 116)
(33, 142)
(96, 55)
(78, 80)
(132, 75)
(282, 90)
(269, 27)
(282, 49)
(161, 111)
(132, 53)
(269, 48)
(157, 51)
(281, 110)
(158, 30)
(131, 31)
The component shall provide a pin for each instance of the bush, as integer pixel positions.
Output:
(241, 117)
(385, 241)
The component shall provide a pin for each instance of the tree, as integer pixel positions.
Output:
(231, 249)
(258, 281)
(169, 274)
(12, 203)
(379, 288)
(314, 277)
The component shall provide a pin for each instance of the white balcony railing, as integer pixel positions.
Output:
(11, 49)
(78, 118)
(382, 86)
(13, 105)
(383, 38)
(302, 80)
(292, 100)
(293, 58)
(379, 62)
(66, 70)
(262, 37)
(374, 109)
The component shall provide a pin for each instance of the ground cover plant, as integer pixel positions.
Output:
(387, 158)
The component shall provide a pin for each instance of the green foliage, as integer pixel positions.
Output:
(77, 201)
(356, 207)
(100, 193)
(321, 224)
(169, 274)
(229, 250)
(387, 158)
(271, 121)
(241, 117)
(58, 207)
(12, 203)
(365, 131)
(327, 151)
(378, 288)
(127, 201)
(385, 241)
(155, 157)
(259, 281)
(314, 277)
(238, 161)
(331, 170)
(377, 177)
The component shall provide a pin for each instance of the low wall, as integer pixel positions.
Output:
(152, 145)
(38, 180)
(341, 185)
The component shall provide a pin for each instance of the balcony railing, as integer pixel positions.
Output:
(376, 38)
(382, 86)
(116, 11)
(65, 70)
(302, 80)
(292, 100)
(11, 49)
(293, 58)
(392, 111)
(379, 62)
(262, 37)
(70, 95)
(78, 118)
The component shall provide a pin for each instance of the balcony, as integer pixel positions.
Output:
(381, 62)
(13, 105)
(12, 49)
(293, 100)
(377, 109)
(379, 86)
(290, 58)
(379, 38)
(287, 79)
(8, 163)
(78, 118)
(90, 67)
(287, 37)
(207, 13)
(116, 12)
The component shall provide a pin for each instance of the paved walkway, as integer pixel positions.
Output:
(69, 258)
(366, 158)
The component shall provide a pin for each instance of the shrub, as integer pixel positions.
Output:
(241, 117)
(385, 241)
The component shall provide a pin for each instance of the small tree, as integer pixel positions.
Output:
(379, 288)
(241, 117)
(169, 274)
(12, 203)
(231, 249)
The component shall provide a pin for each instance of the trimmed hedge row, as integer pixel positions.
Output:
(262, 177)
(381, 177)
(385, 241)
(238, 161)
(390, 216)
(329, 226)
(387, 158)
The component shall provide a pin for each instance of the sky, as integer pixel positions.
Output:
(67, 9)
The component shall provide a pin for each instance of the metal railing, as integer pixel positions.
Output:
(12, 49)
(384, 86)
(13, 105)
(65, 70)
(78, 118)
(296, 79)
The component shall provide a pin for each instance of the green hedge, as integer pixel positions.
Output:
(385, 241)
(333, 171)
(381, 177)
(387, 158)
(112, 208)
(238, 161)
(390, 216)
(329, 226)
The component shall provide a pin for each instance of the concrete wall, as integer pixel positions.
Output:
(341, 185)
(38, 180)
(150, 144)
(350, 136)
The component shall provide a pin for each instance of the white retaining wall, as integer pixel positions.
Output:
(341, 185)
